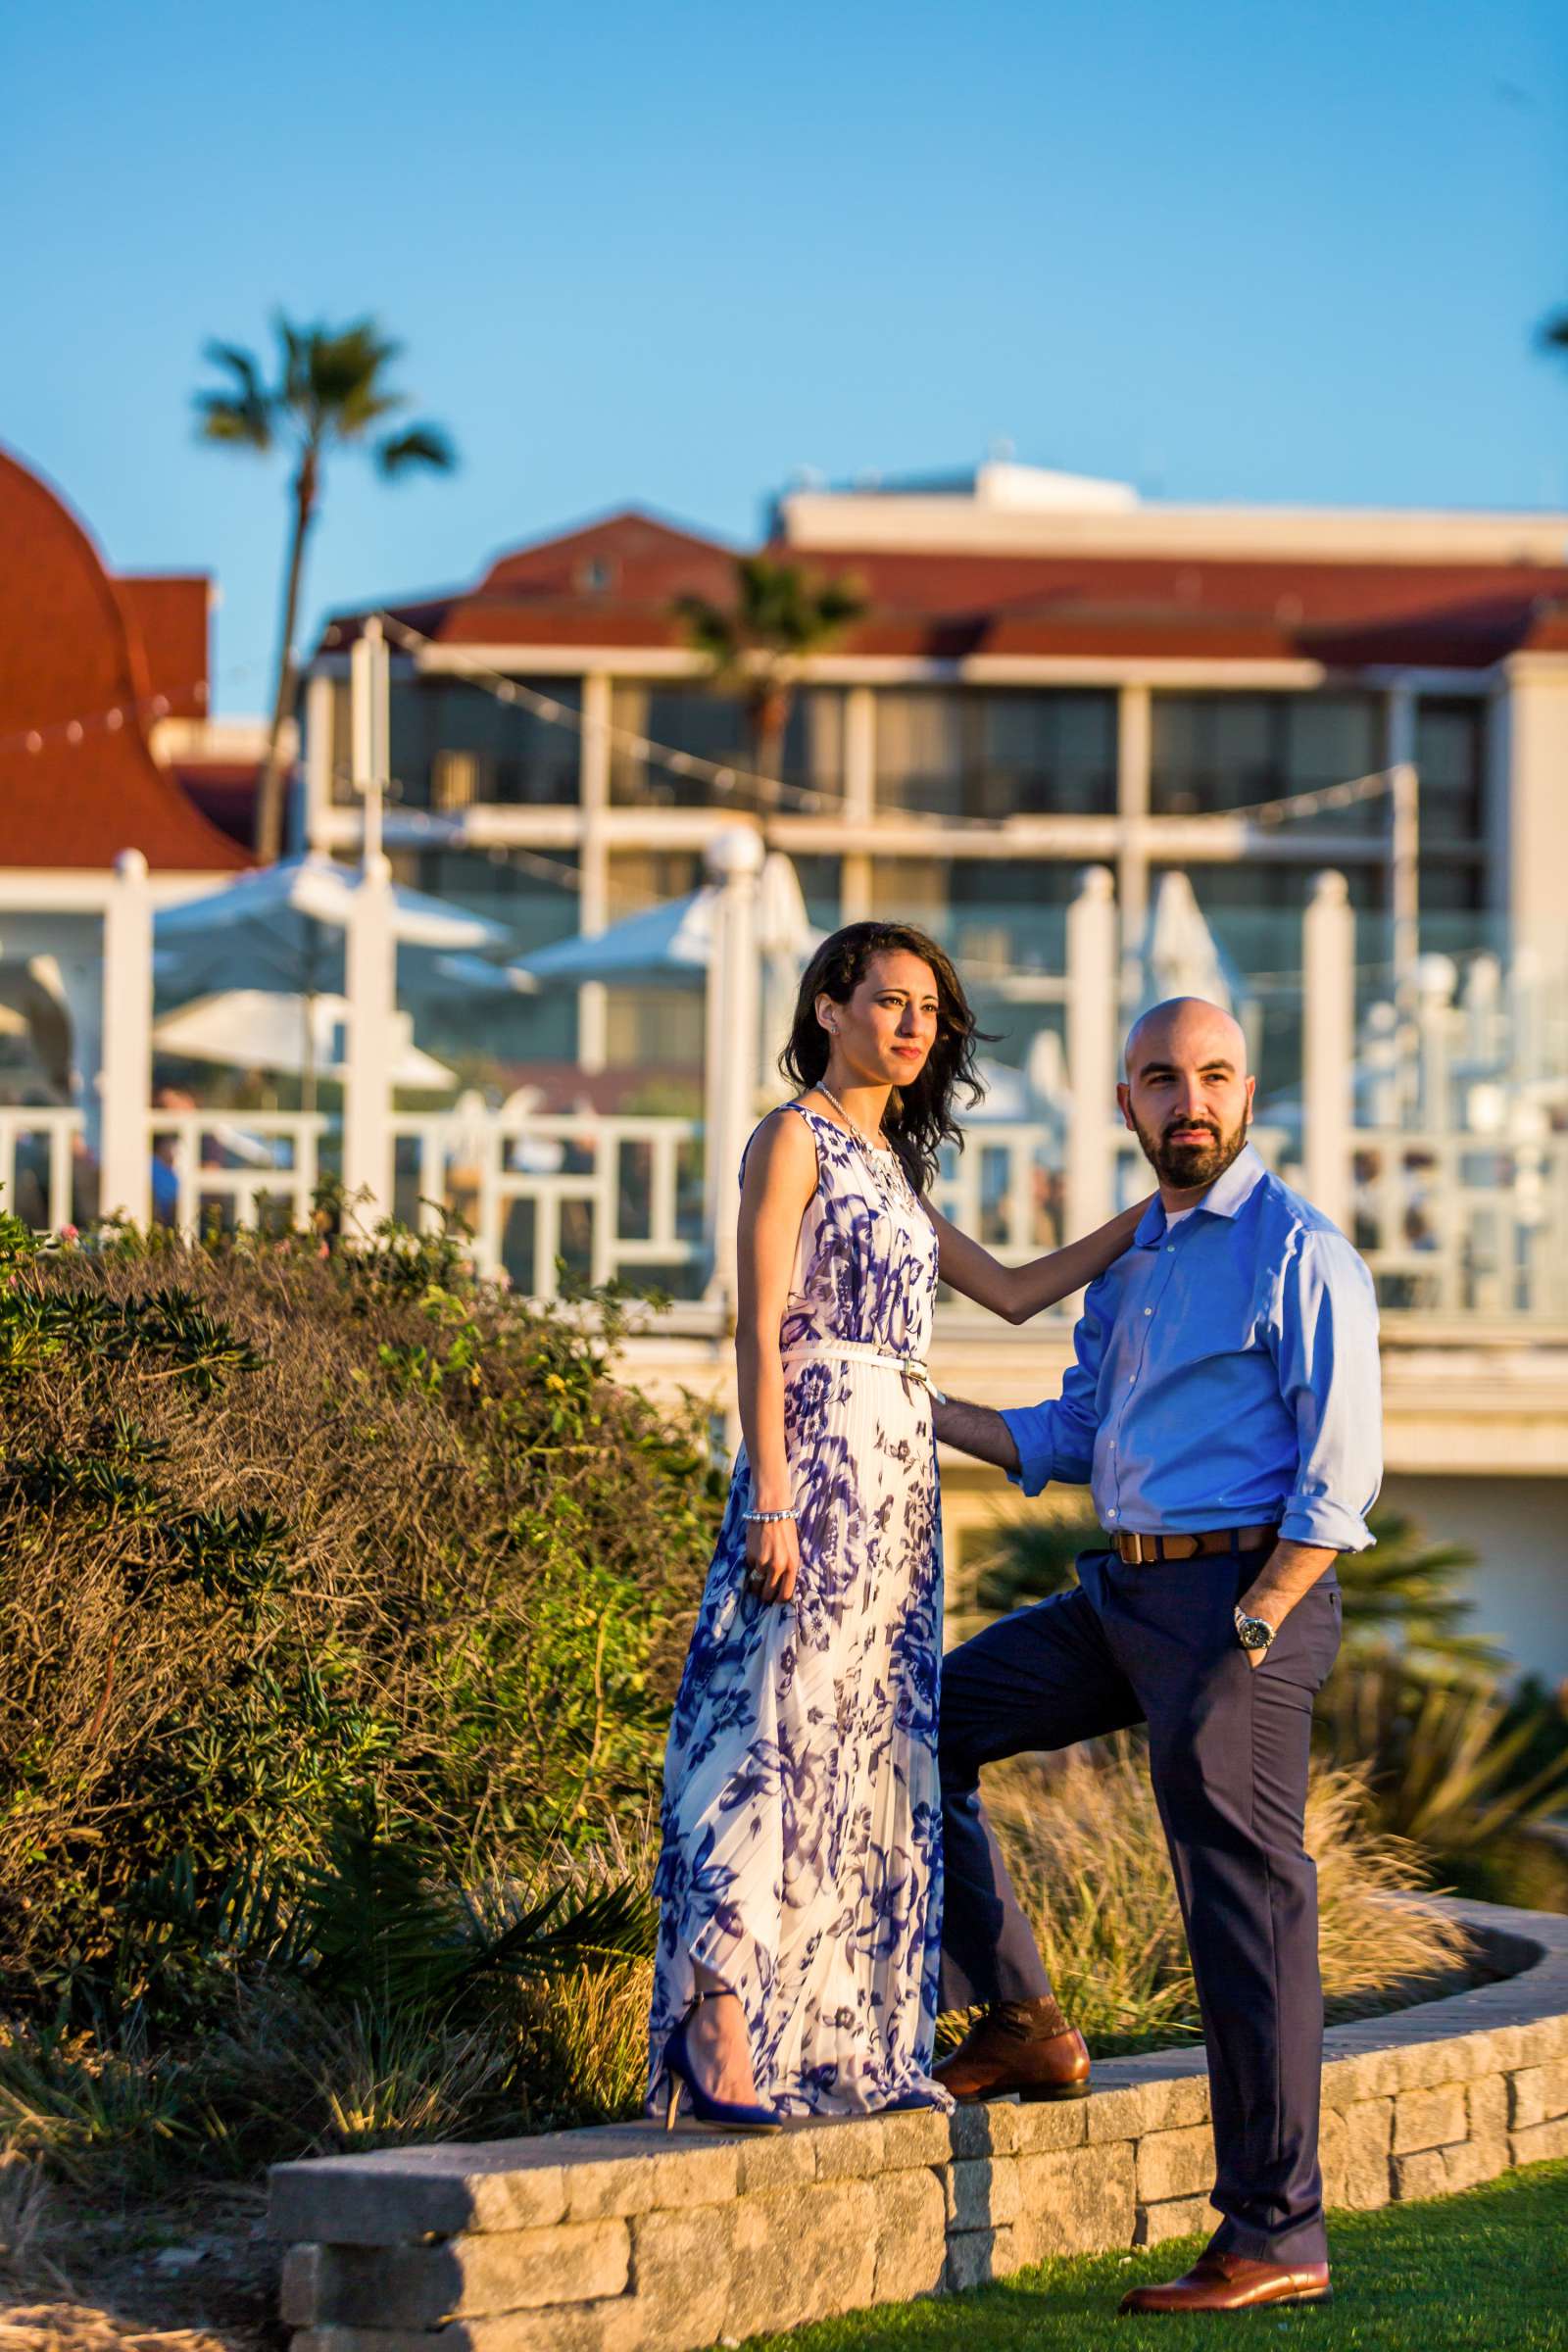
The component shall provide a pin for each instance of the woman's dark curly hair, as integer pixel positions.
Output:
(920, 1118)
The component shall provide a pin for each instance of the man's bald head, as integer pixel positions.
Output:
(1187, 1094)
(1186, 1024)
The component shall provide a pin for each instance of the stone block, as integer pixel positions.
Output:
(1333, 2155)
(976, 2256)
(471, 2278)
(1429, 2119)
(1175, 2164)
(644, 2169)
(405, 2193)
(981, 2192)
(773, 2160)
(990, 2127)
(1045, 2125)
(1159, 2101)
(1360, 2075)
(915, 2142)
(1368, 2140)
(1125, 2114)
(682, 2273)
(613, 2326)
(1421, 2174)
(849, 2150)
(911, 2236)
(1081, 2202)
(1179, 2217)
(1537, 2094)
(1486, 2102)
(1476, 2160)
(802, 2254)
(1538, 2141)
(298, 2294)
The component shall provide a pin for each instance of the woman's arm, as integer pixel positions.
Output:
(780, 1179)
(1015, 1293)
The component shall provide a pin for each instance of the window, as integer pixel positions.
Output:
(993, 753)
(1228, 751)
(457, 745)
(993, 915)
(716, 729)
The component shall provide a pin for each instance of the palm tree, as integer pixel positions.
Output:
(757, 645)
(330, 392)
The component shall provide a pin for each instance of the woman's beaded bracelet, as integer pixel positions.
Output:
(768, 1518)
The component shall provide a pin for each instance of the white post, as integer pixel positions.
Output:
(1328, 1044)
(593, 910)
(859, 802)
(320, 695)
(370, 727)
(126, 1071)
(1404, 854)
(371, 956)
(734, 861)
(1135, 757)
(1092, 1007)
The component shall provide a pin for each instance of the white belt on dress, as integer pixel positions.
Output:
(858, 1351)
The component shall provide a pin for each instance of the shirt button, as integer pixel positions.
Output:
(1148, 1310)
(1131, 1377)
(1111, 1514)
(1171, 1248)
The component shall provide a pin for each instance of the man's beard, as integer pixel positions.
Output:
(1186, 1167)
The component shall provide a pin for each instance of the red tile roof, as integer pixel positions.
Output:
(612, 584)
(83, 660)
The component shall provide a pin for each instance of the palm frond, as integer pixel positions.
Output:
(419, 444)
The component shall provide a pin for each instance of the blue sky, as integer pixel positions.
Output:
(1280, 250)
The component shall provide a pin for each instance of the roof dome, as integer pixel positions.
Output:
(78, 782)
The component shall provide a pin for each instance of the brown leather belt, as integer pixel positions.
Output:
(1141, 1551)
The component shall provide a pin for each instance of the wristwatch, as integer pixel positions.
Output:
(1253, 1632)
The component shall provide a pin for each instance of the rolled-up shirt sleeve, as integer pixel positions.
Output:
(1326, 1350)
(1057, 1441)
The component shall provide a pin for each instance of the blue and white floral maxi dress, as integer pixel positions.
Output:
(802, 1856)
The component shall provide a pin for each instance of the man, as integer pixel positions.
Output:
(1224, 1407)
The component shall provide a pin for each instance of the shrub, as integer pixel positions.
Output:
(278, 1529)
(1082, 1838)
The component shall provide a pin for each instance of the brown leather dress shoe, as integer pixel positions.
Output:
(1232, 2282)
(1022, 2046)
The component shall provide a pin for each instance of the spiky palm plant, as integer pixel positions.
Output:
(1401, 1598)
(330, 391)
(755, 645)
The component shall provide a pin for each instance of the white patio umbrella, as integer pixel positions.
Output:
(1180, 956)
(256, 1029)
(672, 945)
(283, 930)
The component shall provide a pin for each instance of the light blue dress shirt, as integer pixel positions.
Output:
(1226, 1375)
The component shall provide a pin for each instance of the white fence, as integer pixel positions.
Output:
(1434, 1129)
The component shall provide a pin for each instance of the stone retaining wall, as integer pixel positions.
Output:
(620, 2238)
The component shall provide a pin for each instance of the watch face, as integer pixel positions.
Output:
(1254, 1634)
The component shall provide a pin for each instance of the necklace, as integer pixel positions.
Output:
(854, 1125)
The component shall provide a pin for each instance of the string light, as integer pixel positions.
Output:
(73, 732)
(725, 779)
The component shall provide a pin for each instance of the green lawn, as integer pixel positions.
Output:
(1488, 2269)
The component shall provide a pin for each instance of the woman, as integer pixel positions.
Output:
(800, 1876)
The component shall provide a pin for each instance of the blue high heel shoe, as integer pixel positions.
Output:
(719, 2115)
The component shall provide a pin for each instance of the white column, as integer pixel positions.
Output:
(371, 989)
(371, 713)
(1091, 1049)
(734, 861)
(1328, 1044)
(1134, 764)
(320, 696)
(593, 784)
(859, 800)
(1534, 733)
(126, 1070)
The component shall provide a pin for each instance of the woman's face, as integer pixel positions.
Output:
(884, 1034)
